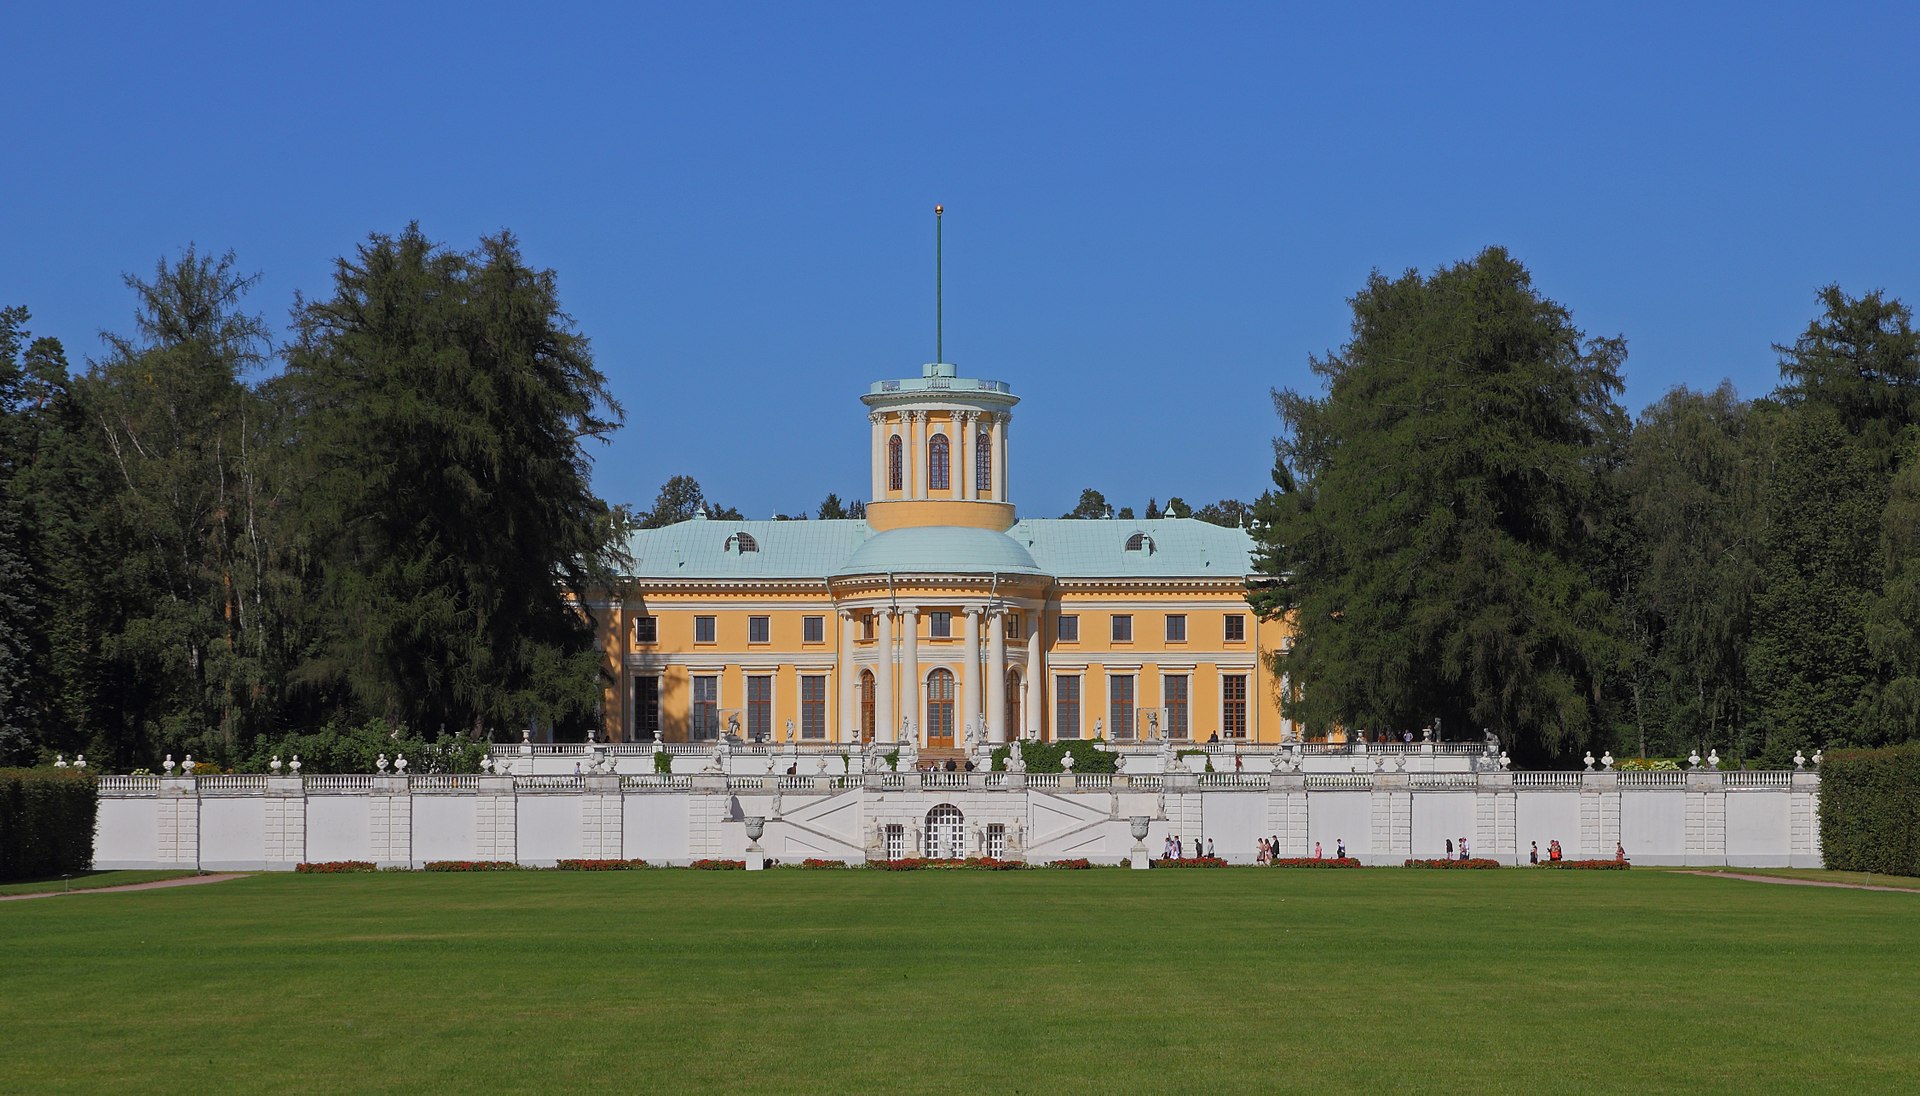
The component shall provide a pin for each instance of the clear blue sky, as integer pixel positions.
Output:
(1155, 213)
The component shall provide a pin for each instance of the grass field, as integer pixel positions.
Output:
(89, 880)
(1029, 982)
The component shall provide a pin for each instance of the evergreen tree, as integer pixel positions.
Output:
(677, 501)
(1440, 514)
(1177, 508)
(1153, 509)
(444, 397)
(831, 508)
(1092, 505)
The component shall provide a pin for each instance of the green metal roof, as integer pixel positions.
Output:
(1062, 548)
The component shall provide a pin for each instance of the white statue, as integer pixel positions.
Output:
(1066, 763)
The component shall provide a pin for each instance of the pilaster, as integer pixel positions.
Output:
(390, 822)
(496, 821)
(286, 822)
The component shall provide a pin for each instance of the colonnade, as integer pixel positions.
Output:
(915, 430)
(980, 683)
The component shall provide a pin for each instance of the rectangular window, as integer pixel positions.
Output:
(1177, 725)
(896, 842)
(813, 706)
(813, 629)
(646, 629)
(997, 840)
(706, 708)
(1233, 706)
(1067, 629)
(759, 707)
(1122, 628)
(1066, 707)
(646, 709)
(940, 625)
(703, 629)
(758, 630)
(1013, 626)
(1120, 706)
(867, 626)
(1176, 628)
(1236, 628)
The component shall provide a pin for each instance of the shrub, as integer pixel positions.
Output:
(1587, 865)
(1044, 757)
(1476, 862)
(1649, 764)
(971, 863)
(47, 818)
(344, 748)
(1316, 862)
(1870, 810)
(1191, 862)
(818, 863)
(718, 865)
(1076, 864)
(470, 865)
(599, 865)
(334, 867)
(663, 763)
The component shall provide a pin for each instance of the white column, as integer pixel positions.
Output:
(879, 422)
(886, 724)
(1036, 672)
(963, 450)
(910, 670)
(997, 676)
(849, 718)
(916, 458)
(970, 679)
(1000, 423)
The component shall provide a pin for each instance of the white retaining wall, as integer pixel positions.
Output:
(274, 823)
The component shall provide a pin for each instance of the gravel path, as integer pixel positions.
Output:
(1800, 882)
(185, 881)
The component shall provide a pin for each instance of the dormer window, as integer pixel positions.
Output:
(742, 543)
(1140, 542)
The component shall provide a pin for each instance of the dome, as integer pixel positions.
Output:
(946, 548)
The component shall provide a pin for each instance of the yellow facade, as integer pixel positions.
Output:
(940, 618)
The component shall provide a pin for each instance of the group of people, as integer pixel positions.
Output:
(1465, 853)
(1270, 850)
(1553, 852)
(1176, 849)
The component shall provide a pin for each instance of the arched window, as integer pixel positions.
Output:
(1013, 705)
(866, 705)
(946, 833)
(896, 478)
(1140, 542)
(937, 463)
(983, 464)
(742, 543)
(940, 705)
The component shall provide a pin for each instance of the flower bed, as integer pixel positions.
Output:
(1476, 862)
(971, 863)
(1078, 864)
(334, 867)
(1190, 862)
(817, 863)
(718, 865)
(1315, 862)
(1588, 865)
(599, 865)
(470, 865)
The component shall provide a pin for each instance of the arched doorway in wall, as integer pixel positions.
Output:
(1013, 705)
(866, 706)
(946, 833)
(940, 708)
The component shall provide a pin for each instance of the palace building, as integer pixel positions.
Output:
(942, 618)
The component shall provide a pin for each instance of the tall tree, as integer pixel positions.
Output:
(831, 508)
(22, 705)
(1231, 513)
(677, 501)
(168, 407)
(444, 400)
(1893, 617)
(1439, 515)
(1693, 488)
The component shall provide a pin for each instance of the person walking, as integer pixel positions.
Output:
(1464, 853)
(1533, 854)
(1209, 848)
(1619, 853)
(1340, 849)
(1449, 848)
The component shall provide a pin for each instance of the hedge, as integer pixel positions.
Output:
(46, 822)
(1870, 810)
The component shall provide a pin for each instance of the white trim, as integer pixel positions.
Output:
(746, 660)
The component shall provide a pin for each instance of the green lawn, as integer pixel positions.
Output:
(90, 880)
(1030, 982)
(1819, 875)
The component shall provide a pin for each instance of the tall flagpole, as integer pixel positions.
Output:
(939, 346)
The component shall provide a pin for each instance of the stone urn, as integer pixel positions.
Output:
(756, 857)
(1138, 825)
(756, 827)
